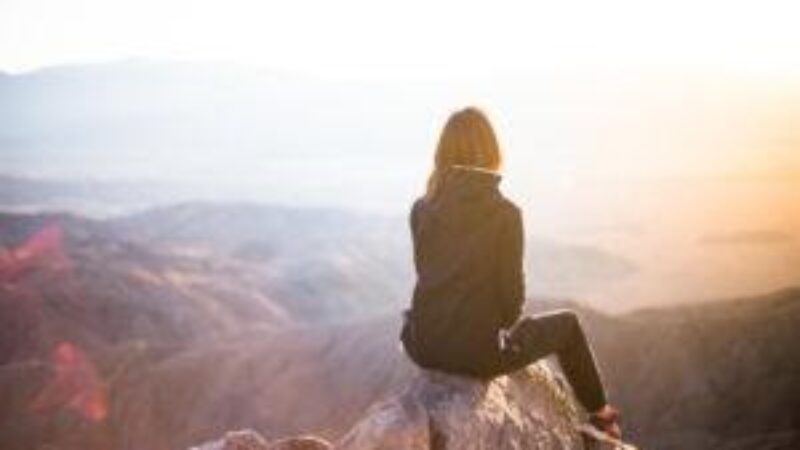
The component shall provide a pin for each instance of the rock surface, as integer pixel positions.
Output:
(527, 410)
(251, 440)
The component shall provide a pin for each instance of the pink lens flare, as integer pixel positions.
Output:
(43, 249)
(75, 386)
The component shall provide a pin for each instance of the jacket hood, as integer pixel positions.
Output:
(469, 182)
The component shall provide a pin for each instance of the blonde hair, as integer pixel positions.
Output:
(467, 139)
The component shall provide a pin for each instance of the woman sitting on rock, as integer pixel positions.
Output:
(468, 252)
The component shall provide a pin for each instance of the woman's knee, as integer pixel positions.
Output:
(568, 319)
(560, 325)
(561, 317)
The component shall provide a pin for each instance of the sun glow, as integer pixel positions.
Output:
(361, 38)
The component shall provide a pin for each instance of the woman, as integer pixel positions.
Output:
(468, 242)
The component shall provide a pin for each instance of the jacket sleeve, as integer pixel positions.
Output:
(413, 221)
(512, 277)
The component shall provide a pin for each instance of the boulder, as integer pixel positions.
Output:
(531, 409)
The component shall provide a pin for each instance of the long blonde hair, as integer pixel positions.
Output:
(467, 139)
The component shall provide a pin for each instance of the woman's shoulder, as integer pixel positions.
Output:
(416, 209)
(418, 204)
(504, 204)
(508, 207)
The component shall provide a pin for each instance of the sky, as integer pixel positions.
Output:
(412, 38)
(575, 88)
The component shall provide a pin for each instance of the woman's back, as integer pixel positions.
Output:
(467, 252)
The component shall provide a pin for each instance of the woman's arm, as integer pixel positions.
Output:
(512, 277)
(413, 221)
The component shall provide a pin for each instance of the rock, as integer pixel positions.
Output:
(301, 443)
(236, 440)
(526, 410)
(252, 440)
(596, 440)
(530, 409)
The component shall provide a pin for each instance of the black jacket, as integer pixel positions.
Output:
(468, 245)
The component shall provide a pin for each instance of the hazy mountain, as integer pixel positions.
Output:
(720, 374)
(241, 130)
(122, 112)
(88, 197)
(70, 279)
(166, 328)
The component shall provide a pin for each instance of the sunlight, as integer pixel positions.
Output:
(368, 39)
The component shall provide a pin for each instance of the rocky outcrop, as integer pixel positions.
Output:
(530, 409)
(527, 410)
(251, 440)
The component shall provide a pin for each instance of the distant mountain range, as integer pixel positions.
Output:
(301, 238)
(230, 128)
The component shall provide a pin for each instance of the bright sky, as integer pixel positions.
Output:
(370, 38)
(579, 123)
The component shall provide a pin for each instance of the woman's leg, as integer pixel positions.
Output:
(559, 333)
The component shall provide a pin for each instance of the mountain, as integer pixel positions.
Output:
(321, 264)
(88, 197)
(169, 327)
(322, 381)
(236, 130)
(719, 374)
(366, 256)
(209, 266)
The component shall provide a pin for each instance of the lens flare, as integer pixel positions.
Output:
(75, 386)
(43, 249)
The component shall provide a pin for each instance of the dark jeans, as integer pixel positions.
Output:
(559, 333)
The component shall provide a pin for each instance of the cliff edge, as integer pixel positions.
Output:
(530, 409)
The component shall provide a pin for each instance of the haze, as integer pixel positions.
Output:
(666, 135)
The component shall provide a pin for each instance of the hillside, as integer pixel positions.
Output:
(714, 375)
(168, 328)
